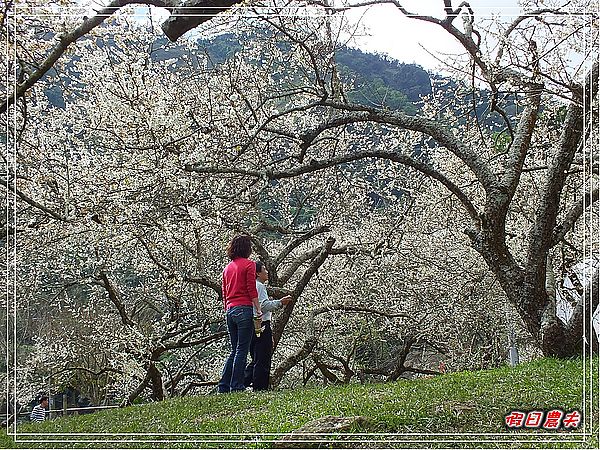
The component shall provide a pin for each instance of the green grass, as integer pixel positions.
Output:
(464, 403)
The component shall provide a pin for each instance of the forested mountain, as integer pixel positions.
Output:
(371, 79)
(382, 80)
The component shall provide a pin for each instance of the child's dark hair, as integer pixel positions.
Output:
(259, 266)
(239, 247)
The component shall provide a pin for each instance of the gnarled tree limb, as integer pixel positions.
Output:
(184, 16)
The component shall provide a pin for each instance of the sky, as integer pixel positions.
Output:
(386, 30)
(390, 32)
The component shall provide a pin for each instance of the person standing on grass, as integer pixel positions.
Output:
(239, 297)
(38, 414)
(261, 348)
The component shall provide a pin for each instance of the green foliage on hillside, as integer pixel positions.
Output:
(374, 80)
(464, 406)
(382, 81)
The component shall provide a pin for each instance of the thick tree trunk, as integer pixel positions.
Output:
(153, 379)
(580, 329)
(136, 392)
(158, 392)
(527, 291)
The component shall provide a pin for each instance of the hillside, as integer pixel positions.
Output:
(377, 80)
(465, 409)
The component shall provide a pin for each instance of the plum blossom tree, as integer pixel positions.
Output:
(532, 159)
(37, 52)
(126, 197)
(121, 248)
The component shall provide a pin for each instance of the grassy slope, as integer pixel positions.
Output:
(464, 402)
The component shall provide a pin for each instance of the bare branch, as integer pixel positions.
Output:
(521, 143)
(515, 23)
(114, 297)
(194, 384)
(183, 343)
(283, 319)
(359, 309)
(294, 243)
(153, 257)
(311, 338)
(323, 367)
(64, 40)
(191, 13)
(573, 214)
(204, 281)
(264, 255)
(85, 369)
(33, 202)
(296, 263)
(314, 166)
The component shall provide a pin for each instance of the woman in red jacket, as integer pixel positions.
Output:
(239, 295)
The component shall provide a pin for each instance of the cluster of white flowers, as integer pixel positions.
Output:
(129, 193)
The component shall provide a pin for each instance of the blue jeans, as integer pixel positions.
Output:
(240, 328)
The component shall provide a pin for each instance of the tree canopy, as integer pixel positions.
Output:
(411, 226)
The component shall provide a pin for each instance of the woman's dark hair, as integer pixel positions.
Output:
(43, 397)
(259, 266)
(239, 247)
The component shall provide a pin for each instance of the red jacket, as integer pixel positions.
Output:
(239, 283)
